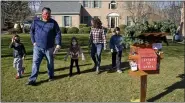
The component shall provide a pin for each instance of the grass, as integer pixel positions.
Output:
(88, 87)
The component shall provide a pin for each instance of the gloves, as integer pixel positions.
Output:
(111, 50)
(23, 57)
(58, 46)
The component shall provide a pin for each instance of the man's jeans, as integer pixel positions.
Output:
(116, 60)
(38, 54)
(17, 63)
(96, 53)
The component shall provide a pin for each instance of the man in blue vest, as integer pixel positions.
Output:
(44, 32)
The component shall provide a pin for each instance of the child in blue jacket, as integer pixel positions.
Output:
(116, 46)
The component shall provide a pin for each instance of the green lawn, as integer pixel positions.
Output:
(89, 87)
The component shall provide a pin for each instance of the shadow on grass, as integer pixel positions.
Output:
(63, 76)
(124, 65)
(59, 69)
(177, 85)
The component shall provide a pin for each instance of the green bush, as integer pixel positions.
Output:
(82, 25)
(81, 31)
(27, 29)
(85, 30)
(73, 30)
(63, 30)
(109, 31)
(122, 28)
(12, 31)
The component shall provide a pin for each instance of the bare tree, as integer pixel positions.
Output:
(15, 11)
(34, 5)
(138, 10)
(171, 9)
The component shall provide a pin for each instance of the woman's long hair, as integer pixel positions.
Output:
(97, 23)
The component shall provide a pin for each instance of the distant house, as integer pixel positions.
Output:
(67, 14)
(73, 13)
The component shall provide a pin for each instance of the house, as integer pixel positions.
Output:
(73, 13)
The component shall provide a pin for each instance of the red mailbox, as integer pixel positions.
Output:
(147, 59)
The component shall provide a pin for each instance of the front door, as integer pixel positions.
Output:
(112, 22)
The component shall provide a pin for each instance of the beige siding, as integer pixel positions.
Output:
(75, 20)
(58, 19)
(104, 11)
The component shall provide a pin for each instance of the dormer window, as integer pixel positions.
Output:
(113, 4)
(85, 3)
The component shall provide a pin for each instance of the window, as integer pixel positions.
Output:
(85, 3)
(66, 21)
(113, 5)
(96, 4)
(129, 20)
(86, 19)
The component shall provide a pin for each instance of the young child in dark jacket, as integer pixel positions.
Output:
(74, 51)
(116, 46)
(19, 54)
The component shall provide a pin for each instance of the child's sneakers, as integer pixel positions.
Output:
(17, 77)
(119, 71)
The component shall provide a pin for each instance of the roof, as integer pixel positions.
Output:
(61, 7)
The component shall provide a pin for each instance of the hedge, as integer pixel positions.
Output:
(82, 25)
(85, 30)
(73, 30)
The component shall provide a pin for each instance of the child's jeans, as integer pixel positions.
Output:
(116, 60)
(71, 66)
(17, 64)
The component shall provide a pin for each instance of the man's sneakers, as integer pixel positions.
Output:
(119, 71)
(50, 79)
(97, 70)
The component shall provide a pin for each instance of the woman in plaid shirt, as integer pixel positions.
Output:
(98, 42)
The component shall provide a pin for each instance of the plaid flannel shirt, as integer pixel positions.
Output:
(97, 35)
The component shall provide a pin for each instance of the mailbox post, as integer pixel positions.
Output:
(145, 66)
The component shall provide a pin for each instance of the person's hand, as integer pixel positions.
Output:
(23, 57)
(34, 44)
(55, 51)
(111, 50)
(105, 47)
(83, 58)
(13, 39)
(58, 47)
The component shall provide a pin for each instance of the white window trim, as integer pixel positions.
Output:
(98, 4)
(110, 5)
(84, 3)
(69, 20)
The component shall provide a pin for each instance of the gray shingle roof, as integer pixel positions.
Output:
(61, 7)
